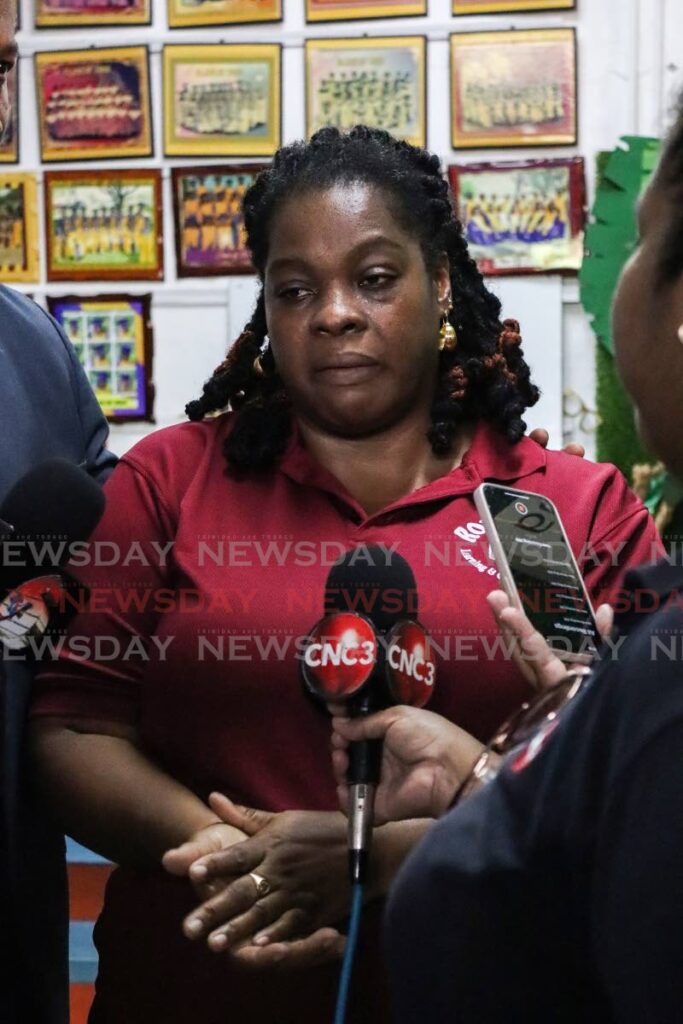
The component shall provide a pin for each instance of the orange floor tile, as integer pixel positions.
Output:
(81, 999)
(86, 890)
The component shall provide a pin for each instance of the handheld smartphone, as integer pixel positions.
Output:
(537, 568)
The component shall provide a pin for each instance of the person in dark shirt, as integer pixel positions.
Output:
(555, 893)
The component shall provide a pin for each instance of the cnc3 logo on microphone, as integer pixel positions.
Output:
(343, 652)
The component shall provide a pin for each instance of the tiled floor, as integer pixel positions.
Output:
(88, 876)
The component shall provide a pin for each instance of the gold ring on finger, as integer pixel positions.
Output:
(262, 884)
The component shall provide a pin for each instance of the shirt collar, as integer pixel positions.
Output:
(490, 457)
(493, 457)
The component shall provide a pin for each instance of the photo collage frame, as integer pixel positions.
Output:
(112, 337)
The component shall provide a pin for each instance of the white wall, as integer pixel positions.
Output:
(628, 75)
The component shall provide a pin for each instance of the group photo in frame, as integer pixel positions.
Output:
(344, 10)
(380, 82)
(510, 6)
(522, 217)
(513, 89)
(104, 225)
(19, 244)
(209, 222)
(91, 13)
(9, 144)
(112, 336)
(194, 13)
(94, 104)
(222, 100)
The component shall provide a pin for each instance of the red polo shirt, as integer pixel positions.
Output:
(214, 582)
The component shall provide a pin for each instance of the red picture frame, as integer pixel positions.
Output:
(522, 217)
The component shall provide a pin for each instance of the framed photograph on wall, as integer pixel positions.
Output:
(513, 89)
(9, 145)
(91, 13)
(209, 224)
(19, 247)
(222, 100)
(94, 104)
(343, 10)
(379, 82)
(522, 218)
(112, 335)
(188, 13)
(104, 225)
(510, 6)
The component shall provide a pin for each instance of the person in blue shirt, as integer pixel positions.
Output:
(47, 410)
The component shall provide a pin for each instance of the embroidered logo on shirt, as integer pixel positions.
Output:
(482, 558)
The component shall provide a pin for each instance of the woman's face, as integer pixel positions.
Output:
(646, 319)
(353, 315)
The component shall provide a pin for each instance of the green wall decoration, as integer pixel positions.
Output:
(612, 233)
(611, 237)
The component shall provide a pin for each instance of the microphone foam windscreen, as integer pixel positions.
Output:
(373, 581)
(54, 499)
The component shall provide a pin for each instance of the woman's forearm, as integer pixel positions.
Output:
(104, 792)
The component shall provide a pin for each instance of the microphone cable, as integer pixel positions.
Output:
(349, 953)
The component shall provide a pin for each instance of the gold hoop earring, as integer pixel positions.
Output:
(448, 337)
(257, 366)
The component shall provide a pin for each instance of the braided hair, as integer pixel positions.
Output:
(484, 377)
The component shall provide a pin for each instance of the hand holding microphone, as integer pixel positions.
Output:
(425, 757)
(369, 660)
(424, 760)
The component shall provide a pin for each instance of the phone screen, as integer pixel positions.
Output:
(543, 569)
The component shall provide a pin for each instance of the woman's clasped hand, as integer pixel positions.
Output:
(303, 857)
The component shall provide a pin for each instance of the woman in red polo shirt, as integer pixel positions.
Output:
(374, 388)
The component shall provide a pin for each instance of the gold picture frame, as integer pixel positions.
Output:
(89, 14)
(222, 100)
(9, 144)
(514, 89)
(222, 12)
(346, 84)
(104, 225)
(357, 10)
(94, 104)
(510, 6)
(19, 245)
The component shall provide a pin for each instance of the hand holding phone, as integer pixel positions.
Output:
(538, 570)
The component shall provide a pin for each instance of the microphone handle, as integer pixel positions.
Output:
(365, 762)
(365, 756)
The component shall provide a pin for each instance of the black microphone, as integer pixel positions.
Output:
(55, 505)
(370, 651)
